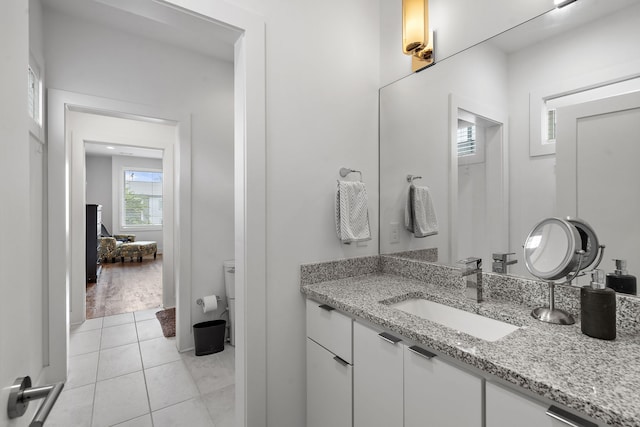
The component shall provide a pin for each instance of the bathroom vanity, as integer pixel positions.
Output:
(370, 363)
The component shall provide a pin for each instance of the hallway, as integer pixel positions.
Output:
(124, 372)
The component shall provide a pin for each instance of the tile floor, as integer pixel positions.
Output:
(123, 372)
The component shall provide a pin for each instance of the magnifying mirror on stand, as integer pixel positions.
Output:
(557, 250)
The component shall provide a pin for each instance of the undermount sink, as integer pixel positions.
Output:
(460, 320)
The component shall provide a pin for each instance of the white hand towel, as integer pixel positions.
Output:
(420, 216)
(352, 212)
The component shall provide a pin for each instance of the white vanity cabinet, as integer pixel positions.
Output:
(377, 378)
(505, 408)
(437, 393)
(329, 367)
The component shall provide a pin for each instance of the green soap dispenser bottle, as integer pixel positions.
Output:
(620, 280)
(598, 308)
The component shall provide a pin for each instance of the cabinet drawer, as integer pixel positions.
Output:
(329, 388)
(439, 392)
(330, 329)
(505, 408)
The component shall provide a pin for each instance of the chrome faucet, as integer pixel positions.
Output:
(472, 270)
(500, 262)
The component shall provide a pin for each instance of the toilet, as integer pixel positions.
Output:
(230, 289)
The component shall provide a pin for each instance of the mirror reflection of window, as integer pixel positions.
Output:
(580, 96)
(466, 140)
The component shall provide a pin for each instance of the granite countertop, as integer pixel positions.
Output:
(596, 377)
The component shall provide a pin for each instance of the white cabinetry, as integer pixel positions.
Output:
(329, 367)
(377, 378)
(329, 388)
(505, 408)
(437, 393)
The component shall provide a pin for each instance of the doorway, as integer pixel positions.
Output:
(125, 185)
(249, 189)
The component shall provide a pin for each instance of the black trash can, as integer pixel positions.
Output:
(209, 336)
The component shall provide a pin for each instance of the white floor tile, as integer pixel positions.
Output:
(221, 405)
(118, 361)
(192, 413)
(169, 384)
(117, 319)
(212, 372)
(146, 314)
(158, 351)
(148, 329)
(87, 325)
(84, 342)
(118, 335)
(120, 399)
(143, 421)
(73, 408)
(82, 370)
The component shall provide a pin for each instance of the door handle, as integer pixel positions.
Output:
(21, 393)
(421, 352)
(568, 418)
(340, 360)
(389, 338)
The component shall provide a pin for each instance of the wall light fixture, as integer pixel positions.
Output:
(417, 40)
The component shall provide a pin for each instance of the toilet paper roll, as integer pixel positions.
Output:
(209, 303)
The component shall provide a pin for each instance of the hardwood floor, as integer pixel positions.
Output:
(124, 287)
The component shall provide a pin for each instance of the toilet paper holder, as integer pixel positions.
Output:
(200, 302)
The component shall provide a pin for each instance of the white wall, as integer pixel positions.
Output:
(321, 115)
(91, 59)
(550, 66)
(99, 186)
(458, 24)
(103, 176)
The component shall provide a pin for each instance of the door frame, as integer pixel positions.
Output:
(66, 200)
(250, 217)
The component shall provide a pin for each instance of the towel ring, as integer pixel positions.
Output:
(346, 171)
(411, 178)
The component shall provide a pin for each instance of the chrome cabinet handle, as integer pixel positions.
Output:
(21, 393)
(422, 352)
(340, 360)
(389, 338)
(568, 418)
(326, 307)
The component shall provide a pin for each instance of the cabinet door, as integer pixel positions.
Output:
(329, 388)
(505, 408)
(330, 328)
(439, 394)
(377, 378)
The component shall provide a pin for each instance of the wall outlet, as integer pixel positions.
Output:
(394, 232)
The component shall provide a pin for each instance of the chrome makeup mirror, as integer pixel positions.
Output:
(558, 250)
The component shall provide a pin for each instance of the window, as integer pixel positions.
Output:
(551, 125)
(142, 198)
(466, 141)
(34, 98)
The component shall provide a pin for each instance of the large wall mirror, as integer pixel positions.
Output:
(516, 97)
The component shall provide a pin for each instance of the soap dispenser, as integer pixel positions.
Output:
(598, 308)
(620, 280)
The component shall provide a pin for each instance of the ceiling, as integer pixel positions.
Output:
(557, 21)
(154, 20)
(96, 148)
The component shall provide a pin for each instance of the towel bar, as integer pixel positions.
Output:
(411, 178)
(346, 171)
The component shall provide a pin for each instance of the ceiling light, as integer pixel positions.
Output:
(562, 3)
(417, 40)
